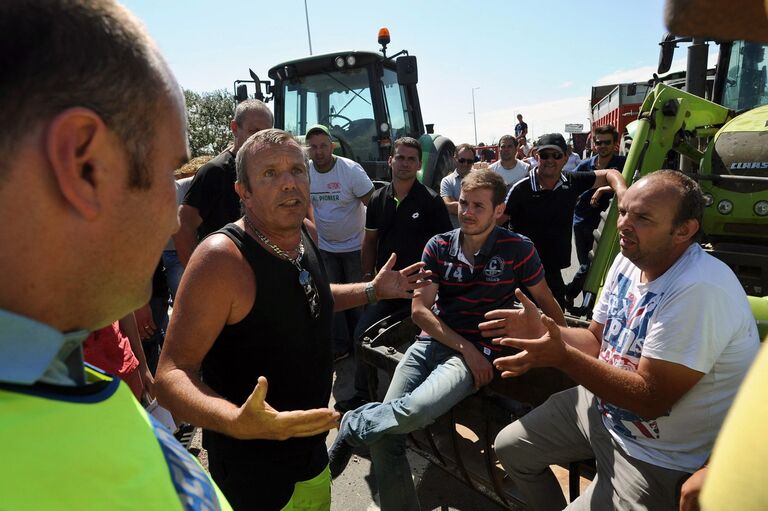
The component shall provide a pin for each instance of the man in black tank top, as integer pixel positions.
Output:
(255, 306)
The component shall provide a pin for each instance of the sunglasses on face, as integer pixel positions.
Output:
(598, 143)
(310, 291)
(465, 160)
(550, 155)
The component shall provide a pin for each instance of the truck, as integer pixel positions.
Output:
(618, 105)
(367, 100)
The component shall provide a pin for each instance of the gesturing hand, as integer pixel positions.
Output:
(257, 419)
(549, 350)
(400, 284)
(522, 323)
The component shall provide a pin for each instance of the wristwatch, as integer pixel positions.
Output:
(370, 292)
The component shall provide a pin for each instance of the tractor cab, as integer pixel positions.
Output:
(366, 100)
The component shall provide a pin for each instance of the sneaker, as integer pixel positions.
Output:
(339, 454)
(352, 403)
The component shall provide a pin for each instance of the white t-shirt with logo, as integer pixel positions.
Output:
(339, 214)
(696, 314)
(513, 175)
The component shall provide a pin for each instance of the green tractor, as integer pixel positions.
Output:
(367, 100)
(723, 144)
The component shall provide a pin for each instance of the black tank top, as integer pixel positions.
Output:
(277, 339)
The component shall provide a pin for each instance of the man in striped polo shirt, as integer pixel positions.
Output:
(476, 269)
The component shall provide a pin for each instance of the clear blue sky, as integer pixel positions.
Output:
(535, 58)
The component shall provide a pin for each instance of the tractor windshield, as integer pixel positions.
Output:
(340, 100)
(745, 87)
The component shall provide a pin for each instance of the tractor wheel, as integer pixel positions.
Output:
(440, 163)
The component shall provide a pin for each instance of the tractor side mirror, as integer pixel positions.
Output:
(407, 71)
(668, 45)
(242, 93)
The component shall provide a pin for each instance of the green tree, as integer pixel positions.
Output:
(209, 115)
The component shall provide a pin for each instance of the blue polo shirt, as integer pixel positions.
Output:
(506, 261)
(584, 214)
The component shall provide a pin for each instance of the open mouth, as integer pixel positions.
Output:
(291, 203)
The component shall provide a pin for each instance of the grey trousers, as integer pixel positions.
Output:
(566, 428)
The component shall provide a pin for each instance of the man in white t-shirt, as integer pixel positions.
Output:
(340, 190)
(508, 166)
(670, 341)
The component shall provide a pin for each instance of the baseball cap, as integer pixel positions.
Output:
(316, 129)
(551, 141)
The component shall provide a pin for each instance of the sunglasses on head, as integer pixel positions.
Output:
(598, 143)
(310, 291)
(547, 155)
(465, 160)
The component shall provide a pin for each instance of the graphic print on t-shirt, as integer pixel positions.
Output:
(623, 338)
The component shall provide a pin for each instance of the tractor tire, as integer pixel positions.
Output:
(440, 163)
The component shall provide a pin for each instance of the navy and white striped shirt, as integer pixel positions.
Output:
(506, 261)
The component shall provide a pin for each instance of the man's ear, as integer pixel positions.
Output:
(233, 127)
(241, 191)
(686, 230)
(498, 211)
(78, 149)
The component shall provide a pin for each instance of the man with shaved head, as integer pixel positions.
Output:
(95, 127)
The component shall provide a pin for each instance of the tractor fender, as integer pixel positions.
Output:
(436, 159)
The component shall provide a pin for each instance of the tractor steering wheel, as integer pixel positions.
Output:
(345, 126)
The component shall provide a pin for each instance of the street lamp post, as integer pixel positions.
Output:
(309, 36)
(474, 117)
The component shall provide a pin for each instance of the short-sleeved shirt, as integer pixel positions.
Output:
(520, 127)
(546, 216)
(584, 214)
(450, 187)
(405, 227)
(466, 292)
(339, 213)
(213, 193)
(513, 175)
(695, 314)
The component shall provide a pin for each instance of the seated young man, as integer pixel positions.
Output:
(476, 268)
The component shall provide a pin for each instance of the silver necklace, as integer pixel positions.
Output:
(305, 278)
(277, 250)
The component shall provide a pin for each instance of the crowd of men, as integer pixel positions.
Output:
(276, 238)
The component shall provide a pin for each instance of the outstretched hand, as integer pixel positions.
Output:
(400, 284)
(257, 419)
(521, 323)
(549, 350)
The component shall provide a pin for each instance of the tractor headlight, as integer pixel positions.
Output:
(761, 208)
(709, 199)
(725, 206)
(339, 61)
(351, 60)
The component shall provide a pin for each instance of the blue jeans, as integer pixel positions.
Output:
(343, 268)
(173, 271)
(429, 380)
